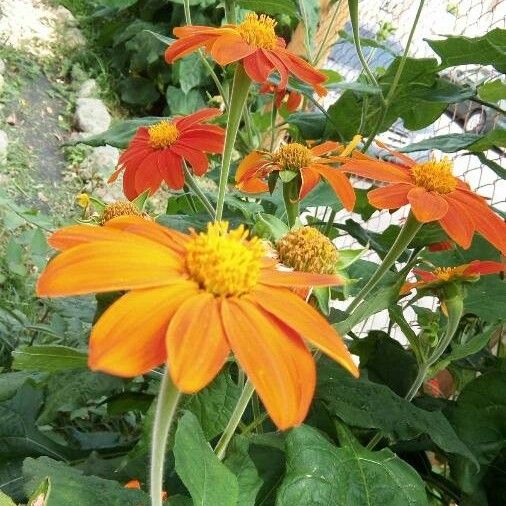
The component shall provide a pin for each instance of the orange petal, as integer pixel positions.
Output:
(196, 343)
(230, 48)
(253, 185)
(425, 275)
(75, 235)
(291, 279)
(249, 165)
(310, 179)
(339, 183)
(129, 338)
(257, 66)
(392, 196)
(325, 147)
(275, 359)
(481, 267)
(457, 223)
(107, 266)
(376, 170)
(427, 206)
(306, 321)
(197, 117)
(183, 47)
(487, 223)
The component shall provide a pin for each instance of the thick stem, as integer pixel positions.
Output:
(455, 308)
(194, 186)
(230, 12)
(234, 420)
(168, 398)
(239, 95)
(291, 199)
(406, 234)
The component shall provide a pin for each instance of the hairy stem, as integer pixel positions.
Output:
(194, 186)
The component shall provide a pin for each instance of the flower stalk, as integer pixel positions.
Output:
(238, 98)
(166, 407)
(194, 186)
(291, 199)
(406, 235)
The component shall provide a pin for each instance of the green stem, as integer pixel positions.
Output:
(168, 398)
(193, 185)
(273, 126)
(239, 95)
(234, 420)
(330, 222)
(387, 101)
(331, 26)
(291, 199)
(455, 308)
(406, 235)
(230, 12)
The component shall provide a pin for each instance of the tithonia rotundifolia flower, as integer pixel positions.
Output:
(254, 43)
(192, 300)
(156, 153)
(434, 194)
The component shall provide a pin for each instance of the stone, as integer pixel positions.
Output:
(92, 116)
(74, 39)
(64, 16)
(88, 89)
(101, 161)
(110, 193)
(4, 144)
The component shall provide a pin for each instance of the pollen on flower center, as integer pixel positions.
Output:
(436, 176)
(448, 273)
(162, 134)
(258, 31)
(224, 262)
(308, 250)
(293, 156)
(119, 209)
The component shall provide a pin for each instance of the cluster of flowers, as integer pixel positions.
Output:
(194, 298)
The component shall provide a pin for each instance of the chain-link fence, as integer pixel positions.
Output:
(390, 22)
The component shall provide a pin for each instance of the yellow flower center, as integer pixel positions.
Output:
(292, 156)
(448, 273)
(224, 262)
(435, 176)
(308, 250)
(162, 134)
(258, 31)
(119, 209)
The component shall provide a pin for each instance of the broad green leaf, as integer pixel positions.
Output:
(11, 382)
(71, 486)
(183, 103)
(191, 72)
(349, 256)
(272, 7)
(40, 496)
(49, 358)
(162, 38)
(496, 137)
(320, 474)
(269, 227)
(459, 50)
(138, 91)
(361, 403)
(479, 418)
(239, 462)
(322, 195)
(448, 143)
(309, 13)
(310, 124)
(207, 479)
(120, 133)
(493, 91)
(5, 500)
(443, 91)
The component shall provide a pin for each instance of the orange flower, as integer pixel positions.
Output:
(434, 194)
(310, 163)
(252, 42)
(193, 299)
(293, 101)
(442, 275)
(136, 485)
(157, 153)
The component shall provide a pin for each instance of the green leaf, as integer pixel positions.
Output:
(71, 486)
(48, 358)
(191, 72)
(183, 103)
(5, 500)
(361, 403)
(138, 91)
(443, 91)
(448, 143)
(272, 7)
(120, 133)
(269, 227)
(318, 473)
(479, 418)
(11, 382)
(493, 91)
(486, 50)
(310, 124)
(162, 38)
(500, 171)
(309, 12)
(496, 137)
(239, 462)
(207, 479)
(117, 4)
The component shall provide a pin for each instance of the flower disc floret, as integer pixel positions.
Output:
(258, 31)
(293, 156)
(224, 262)
(119, 209)
(308, 250)
(436, 176)
(162, 134)
(449, 273)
